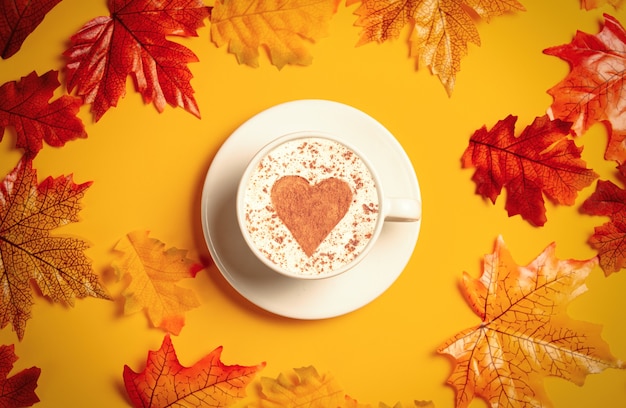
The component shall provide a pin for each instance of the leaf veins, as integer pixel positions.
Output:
(541, 160)
(28, 252)
(18, 390)
(283, 27)
(440, 30)
(132, 41)
(166, 383)
(525, 333)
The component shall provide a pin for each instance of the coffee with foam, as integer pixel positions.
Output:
(311, 206)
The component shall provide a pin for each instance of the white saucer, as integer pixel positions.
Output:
(307, 299)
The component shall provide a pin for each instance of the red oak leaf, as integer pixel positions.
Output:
(19, 389)
(132, 41)
(525, 333)
(594, 90)
(19, 18)
(609, 239)
(541, 160)
(24, 105)
(166, 383)
(30, 254)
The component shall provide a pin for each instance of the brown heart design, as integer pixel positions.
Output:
(310, 212)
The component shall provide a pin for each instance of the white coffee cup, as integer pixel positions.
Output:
(311, 206)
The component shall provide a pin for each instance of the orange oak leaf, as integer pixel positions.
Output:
(593, 4)
(24, 106)
(58, 265)
(525, 334)
(19, 18)
(440, 30)
(164, 382)
(542, 160)
(594, 91)
(153, 272)
(18, 390)
(304, 388)
(609, 239)
(283, 27)
(133, 41)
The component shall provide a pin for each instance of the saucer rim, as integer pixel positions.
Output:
(289, 296)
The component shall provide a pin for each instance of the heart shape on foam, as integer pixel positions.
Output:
(310, 212)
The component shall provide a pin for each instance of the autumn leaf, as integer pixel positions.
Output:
(542, 160)
(594, 91)
(164, 382)
(525, 334)
(18, 19)
(153, 272)
(593, 4)
(610, 238)
(283, 27)
(58, 265)
(19, 389)
(132, 41)
(352, 403)
(25, 106)
(304, 388)
(440, 31)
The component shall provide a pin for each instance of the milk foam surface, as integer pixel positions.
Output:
(314, 159)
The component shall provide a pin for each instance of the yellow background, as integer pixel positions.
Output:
(148, 170)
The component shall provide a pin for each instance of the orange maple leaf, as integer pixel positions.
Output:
(19, 389)
(153, 272)
(541, 160)
(592, 4)
(58, 265)
(594, 91)
(440, 30)
(525, 333)
(166, 383)
(283, 27)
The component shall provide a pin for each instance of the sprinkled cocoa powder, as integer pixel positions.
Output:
(327, 174)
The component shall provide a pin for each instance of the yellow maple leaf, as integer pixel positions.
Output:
(283, 27)
(525, 333)
(440, 29)
(307, 388)
(153, 272)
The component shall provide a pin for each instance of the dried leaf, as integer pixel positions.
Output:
(284, 27)
(19, 18)
(18, 390)
(166, 383)
(541, 160)
(609, 239)
(58, 265)
(594, 89)
(24, 106)
(440, 30)
(153, 272)
(593, 4)
(525, 333)
(133, 41)
(306, 388)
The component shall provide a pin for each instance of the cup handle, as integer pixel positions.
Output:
(403, 209)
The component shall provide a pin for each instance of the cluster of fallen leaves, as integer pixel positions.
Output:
(524, 334)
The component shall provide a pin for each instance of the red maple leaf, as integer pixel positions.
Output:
(132, 41)
(609, 239)
(19, 389)
(594, 91)
(24, 106)
(542, 160)
(165, 382)
(19, 18)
